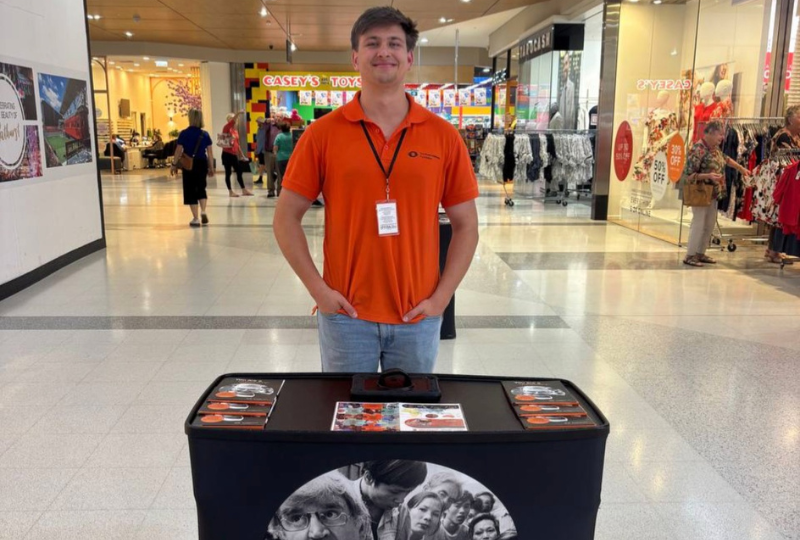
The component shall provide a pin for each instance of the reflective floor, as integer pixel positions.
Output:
(698, 370)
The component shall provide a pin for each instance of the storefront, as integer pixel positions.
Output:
(677, 66)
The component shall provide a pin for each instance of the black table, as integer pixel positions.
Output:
(548, 480)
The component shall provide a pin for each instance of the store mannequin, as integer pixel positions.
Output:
(660, 126)
(723, 108)
(703, 110)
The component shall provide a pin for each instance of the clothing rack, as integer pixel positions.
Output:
(781, 154)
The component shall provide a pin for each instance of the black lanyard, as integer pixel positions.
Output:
(386, 173)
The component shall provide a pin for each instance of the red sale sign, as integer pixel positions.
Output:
(623, 151)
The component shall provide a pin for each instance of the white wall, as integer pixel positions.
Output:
(215, 82)
(46, 217)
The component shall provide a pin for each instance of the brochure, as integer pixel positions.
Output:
(393, 417)
(251, 391)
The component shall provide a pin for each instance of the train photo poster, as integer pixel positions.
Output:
(65, 120)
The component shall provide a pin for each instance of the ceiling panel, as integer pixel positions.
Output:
(121, 25)
(127, 12)
(315, 24)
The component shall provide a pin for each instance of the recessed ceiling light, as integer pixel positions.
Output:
(96, 17)
(487, 70)
(263, 12)
(145, 58)
(111, 62)
(129, 34)
(90, 17)
(442, 20)
(130, 70)
(656, 2)
(135, 65)
(293, 47)
(180, 65)
(423, 40)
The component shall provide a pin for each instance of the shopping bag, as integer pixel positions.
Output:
(697, 194)
(224, 140)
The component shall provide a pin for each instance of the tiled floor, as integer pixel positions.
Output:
(697, 369)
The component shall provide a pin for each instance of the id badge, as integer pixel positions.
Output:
(387, 218)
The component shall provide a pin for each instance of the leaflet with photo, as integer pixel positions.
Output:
(354, 416)
(229, 421)
(548, 409)
(393, 417)
(432, 417)
(557, 422)
(536, 392)
(252, 391)
(243, 409)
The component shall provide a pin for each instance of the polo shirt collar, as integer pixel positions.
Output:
(354, 113)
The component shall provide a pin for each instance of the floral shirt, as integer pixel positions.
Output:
(704, 160)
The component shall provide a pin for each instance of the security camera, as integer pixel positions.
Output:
(271, 46)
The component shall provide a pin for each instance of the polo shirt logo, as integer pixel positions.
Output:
(423, 155)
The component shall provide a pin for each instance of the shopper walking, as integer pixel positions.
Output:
(195, 143)
(261, 142)
(283, 151)
(706, 164)
(381, 297)
(270, 164)
(232, 155)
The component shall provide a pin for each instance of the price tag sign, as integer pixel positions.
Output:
(623, 151)
(676, 157)
(658, 176)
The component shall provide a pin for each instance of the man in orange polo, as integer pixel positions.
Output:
(384, 165)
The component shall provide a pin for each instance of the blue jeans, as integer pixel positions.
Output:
(353, 345)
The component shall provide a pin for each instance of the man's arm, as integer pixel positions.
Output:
(464, 220)
(291, 238)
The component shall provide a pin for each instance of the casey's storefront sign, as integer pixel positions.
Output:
(315, 81)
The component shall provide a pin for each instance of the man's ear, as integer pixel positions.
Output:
(354, 59)
(368, 478)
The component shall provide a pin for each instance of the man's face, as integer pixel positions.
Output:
(382, 57)
(457, 512)
(447, 491)
(487, 503)
(485, 530)
(385, 496)
(319, 521)
(565, 67)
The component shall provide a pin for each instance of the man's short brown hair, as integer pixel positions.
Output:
(384, 16)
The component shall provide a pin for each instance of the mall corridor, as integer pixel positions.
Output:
(696, 368)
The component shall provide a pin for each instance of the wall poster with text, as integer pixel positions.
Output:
(65, 120)
(20, 154)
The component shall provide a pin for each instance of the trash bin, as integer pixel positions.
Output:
(448, 330)
(545, 480)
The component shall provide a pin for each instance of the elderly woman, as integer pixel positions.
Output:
(195, 143)
(706, 164)
(232, 155)
(326, 507)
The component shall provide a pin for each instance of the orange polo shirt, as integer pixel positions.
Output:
(383, 277)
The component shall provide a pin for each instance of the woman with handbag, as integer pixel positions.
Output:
(703, 185)
(194, 155)
(232, 155)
